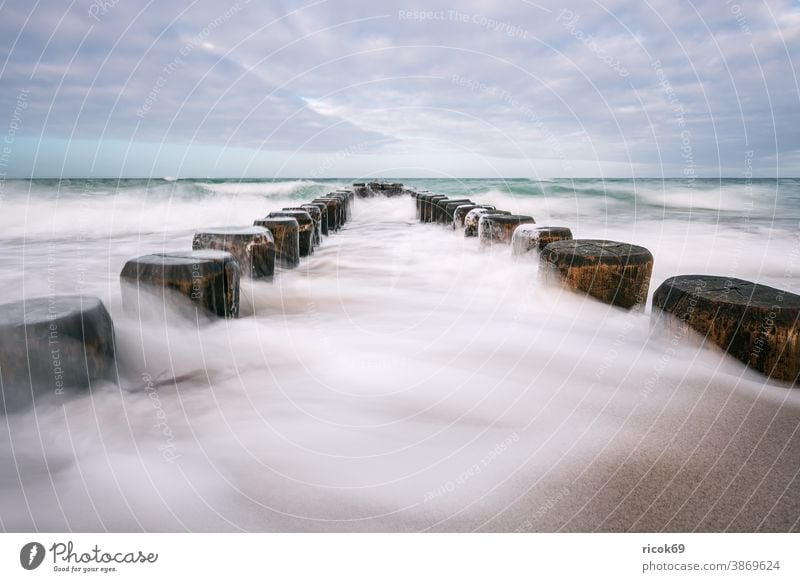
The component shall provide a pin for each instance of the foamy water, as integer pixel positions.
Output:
(404, 379)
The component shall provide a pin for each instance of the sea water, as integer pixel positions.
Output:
(403, 378)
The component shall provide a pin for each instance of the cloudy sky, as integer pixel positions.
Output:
(349, 88)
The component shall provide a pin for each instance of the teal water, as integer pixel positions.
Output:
(765, 201)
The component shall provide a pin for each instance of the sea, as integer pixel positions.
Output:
(404, 378)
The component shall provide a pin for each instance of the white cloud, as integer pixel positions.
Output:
(319, 76)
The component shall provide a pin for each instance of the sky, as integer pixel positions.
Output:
(332, 88)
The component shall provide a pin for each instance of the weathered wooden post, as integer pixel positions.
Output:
(498, 228)
(286, 234)
(429, 208)
(253, 247)
(52, 345)
(343, 212)
(335, 211)
(305, 228)
(323, 208)
(439, 206)
(460, 213)
(346, 196)
(758, 324)
(446, 208)
(422, 199)
(473, 217)
(613, 272)
(208, 278)
(529, 237)
(316, 216)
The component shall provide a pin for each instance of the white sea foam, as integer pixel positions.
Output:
(401, 379)
(277, 188)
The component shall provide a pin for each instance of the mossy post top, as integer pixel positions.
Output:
(595, 251)
(46, 309)
(236, 231)
(728, 290)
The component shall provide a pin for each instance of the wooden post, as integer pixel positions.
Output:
(613, 272)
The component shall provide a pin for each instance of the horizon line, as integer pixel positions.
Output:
(310, 178)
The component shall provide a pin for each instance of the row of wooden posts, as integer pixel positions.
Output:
(758, 324)
(53, 345)
(209, 274)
